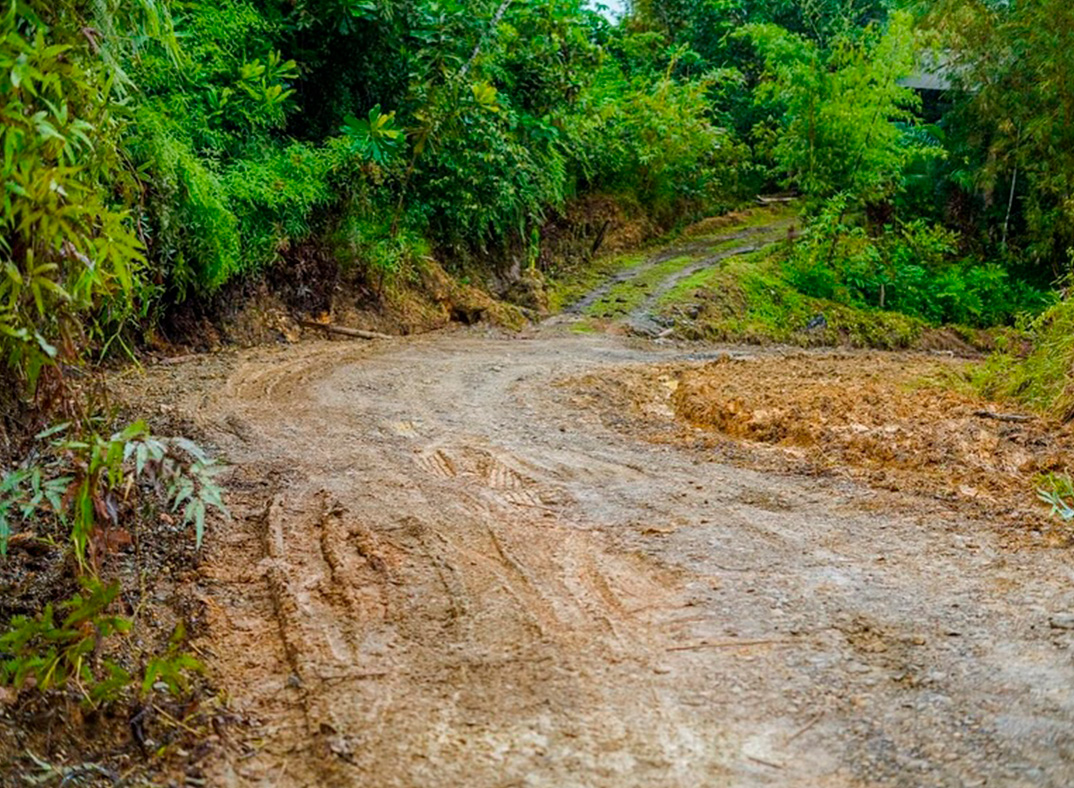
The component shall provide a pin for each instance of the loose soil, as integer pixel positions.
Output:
(562, 559)
(899, 422)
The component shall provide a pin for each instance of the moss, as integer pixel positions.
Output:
(626, 296)
(782, 215)
(584, 326)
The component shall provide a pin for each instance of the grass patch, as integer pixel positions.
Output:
(1044, 379)
(782, 215)
(573, 285)
(584, 326)
(628, 295)
(687, 287)
(747, 299)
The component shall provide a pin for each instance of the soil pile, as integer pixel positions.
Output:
(902, 422)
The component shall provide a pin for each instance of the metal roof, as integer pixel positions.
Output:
(934, 72)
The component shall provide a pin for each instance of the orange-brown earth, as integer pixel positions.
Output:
(896, 421)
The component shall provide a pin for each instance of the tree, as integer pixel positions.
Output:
(1015, 65)
(842, 108)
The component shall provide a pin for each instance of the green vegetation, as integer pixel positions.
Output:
(90, 489)
(178, 148)
(1058, 492)
(571, 286)
(948, 206)
(912, 269)
(748, 298)
(157, 152)
(1044, 378)
(625, 296)
(85, 479)
(51, 653)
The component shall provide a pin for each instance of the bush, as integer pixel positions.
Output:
(90, 486)
(653, 138)
(89, 483)
(910, 268)
(67, 246)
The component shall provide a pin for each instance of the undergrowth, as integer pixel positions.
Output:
(837, 285)
(92, 489)
(911, 267)
(1057, 491)
(1044, 379)
(747, 299)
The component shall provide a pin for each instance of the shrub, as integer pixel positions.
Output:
(89, 485)
(89, 482)
(66, 246)
(910, 268)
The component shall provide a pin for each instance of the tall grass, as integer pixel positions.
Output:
(1043, 380)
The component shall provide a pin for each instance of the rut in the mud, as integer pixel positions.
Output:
(448, 569)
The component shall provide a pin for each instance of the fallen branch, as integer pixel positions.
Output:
(763, 762)
(356, 333)
(1013, 418)
(731, 644)
(806, 727)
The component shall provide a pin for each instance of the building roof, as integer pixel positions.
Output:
(936, 71)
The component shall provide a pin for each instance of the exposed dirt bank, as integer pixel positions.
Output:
(900, 422)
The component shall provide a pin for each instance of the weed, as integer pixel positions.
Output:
(46, 652)
(1041, 380)
(1058, 492)
(88, 482)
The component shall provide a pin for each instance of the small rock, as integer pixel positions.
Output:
(1062, 621)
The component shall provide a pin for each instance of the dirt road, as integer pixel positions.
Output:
(443, 571)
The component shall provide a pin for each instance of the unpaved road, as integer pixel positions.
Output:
(443, 572)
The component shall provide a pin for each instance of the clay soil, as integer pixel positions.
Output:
(901, 422)
(559, 559)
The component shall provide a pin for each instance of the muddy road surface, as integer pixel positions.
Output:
(443, 570)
